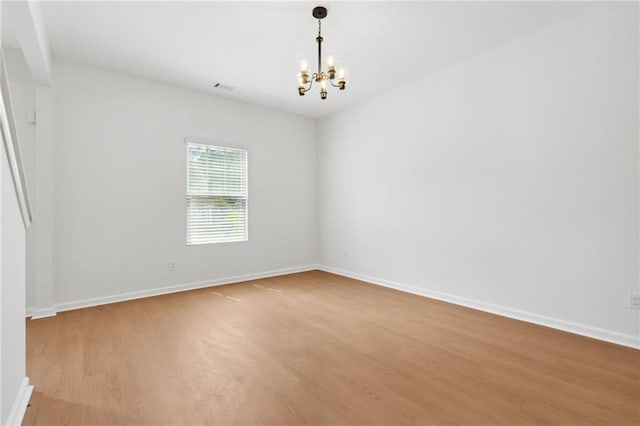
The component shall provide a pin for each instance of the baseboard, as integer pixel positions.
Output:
(29, 311)
(43, 313)
(20, 404)
(572, 327)
(123, 297)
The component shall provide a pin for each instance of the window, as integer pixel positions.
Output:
(216, 194)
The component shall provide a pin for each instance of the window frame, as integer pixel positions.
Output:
(221, 145)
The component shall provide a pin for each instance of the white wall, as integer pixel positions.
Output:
(119, 163)
(510, 180)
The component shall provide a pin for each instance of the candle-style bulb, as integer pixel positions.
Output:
(330, 61)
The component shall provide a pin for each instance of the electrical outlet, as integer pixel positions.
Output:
(634, 300)
(172, 265)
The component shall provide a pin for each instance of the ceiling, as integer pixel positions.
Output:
(253, 46)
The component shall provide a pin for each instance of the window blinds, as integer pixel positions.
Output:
(216, 194)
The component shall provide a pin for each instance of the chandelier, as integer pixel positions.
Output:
(336, 79)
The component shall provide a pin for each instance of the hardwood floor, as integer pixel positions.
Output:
(316, 348)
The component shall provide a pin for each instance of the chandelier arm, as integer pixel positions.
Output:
(305, 90)
(309, 88)
(333, 84)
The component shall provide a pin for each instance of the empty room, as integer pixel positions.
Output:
(304, 213)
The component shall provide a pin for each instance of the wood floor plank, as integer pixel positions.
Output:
(319, 349)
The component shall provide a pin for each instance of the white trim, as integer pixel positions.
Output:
(19, 407)
(43, 313)
(560, 324)
(14, 156)
(29, 311)
(122, 297)
(222, 143)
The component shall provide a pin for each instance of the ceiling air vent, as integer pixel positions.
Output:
(222, 86)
